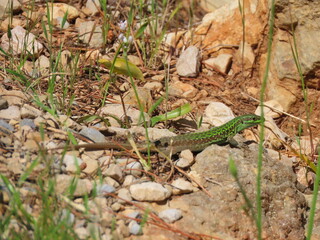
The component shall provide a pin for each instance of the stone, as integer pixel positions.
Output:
(268, 109)
(135, 228)
(181, 186)
(185, 160)
(21, 42)
(114, 171)
(188, 64)
(91, 166)
(124, 194)
(149, 191)
(91, 33)
(6, 126)
(117, 110)
(178, 89)
(93, 134)
(170, 215)
(217, 113)
(28, 122)
(11, 113)
(145, 98)
(222, 63)
(83, 186)
(110, 181)
(60, 9)
(104, 189)
(154, 86)
(93, 6)
(72, 163)
(43, 64)
(224, 26)
(128, 180)
(28, 111)
(5, 7)
(208, 214)
(134, 168)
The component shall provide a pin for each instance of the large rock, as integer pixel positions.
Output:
(283, 206)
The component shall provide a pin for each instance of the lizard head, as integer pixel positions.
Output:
(248, 120)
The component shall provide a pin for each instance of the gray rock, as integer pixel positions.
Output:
(7, 126)
(27, 122)
(149, 191)
(93, 134)
(103, 189)
(128, 180)
(188, 64)
(135, 228)
(170, 215)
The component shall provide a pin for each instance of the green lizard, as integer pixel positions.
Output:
(196, 141)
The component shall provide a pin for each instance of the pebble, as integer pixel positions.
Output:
(12, 112)
(83, 186)
(170, 215)
(114, 171)
(93, 134)
(128, 180)
(186, 159)
(28, 122)
(135, 168)
(28, 111)
(103, 189)
(149, 191)
(181, 186)
(110, 181)
(7, 126)
(217, 113)
(72, 163)
(188, 64)
(135, 228)
(221, 63)
(124, 194)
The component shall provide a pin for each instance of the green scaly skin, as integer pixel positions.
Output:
(194, 141)
(217, 135)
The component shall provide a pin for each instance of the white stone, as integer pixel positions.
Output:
(114, 171)
(72, 163)
(149, 191)
(181, 186)
(12, 112)
(217, 113)
(188, 64)
(221, 63)
(21, 42)
(170, 215)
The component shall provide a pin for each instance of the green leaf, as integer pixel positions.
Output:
(120, 67)
(180, 111)
(141, 30)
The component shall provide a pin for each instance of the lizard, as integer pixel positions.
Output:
(195, 141)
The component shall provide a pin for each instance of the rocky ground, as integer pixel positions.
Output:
(54, 92)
